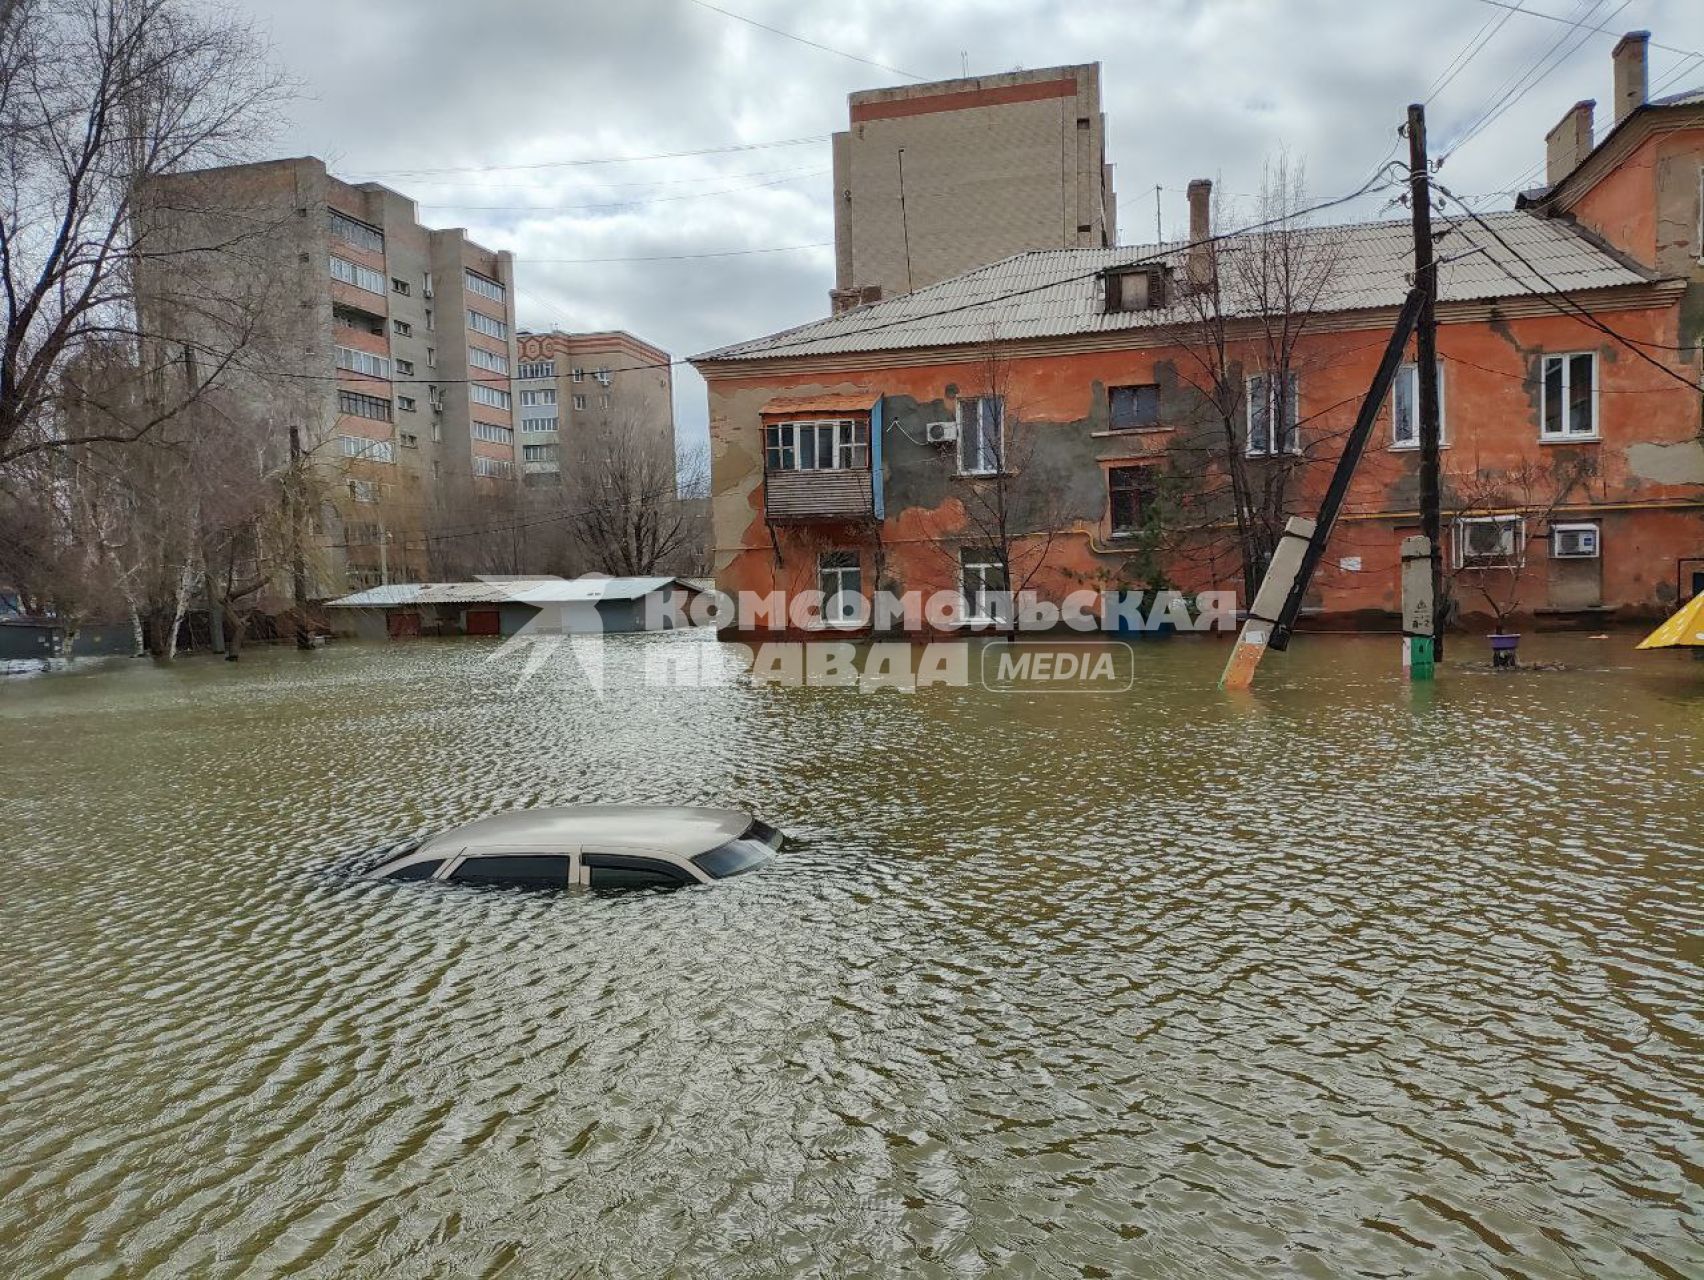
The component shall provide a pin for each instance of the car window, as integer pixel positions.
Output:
(417, 870)
(734, 858)
(624, 871)
(530, 870)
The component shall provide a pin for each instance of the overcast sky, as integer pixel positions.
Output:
(480, 110)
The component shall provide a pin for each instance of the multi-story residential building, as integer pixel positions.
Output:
(1122, 413)
(932, 180)
(393, 343)
(574, 389)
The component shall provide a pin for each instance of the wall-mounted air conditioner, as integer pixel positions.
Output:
(1574, 541)
(940, 432)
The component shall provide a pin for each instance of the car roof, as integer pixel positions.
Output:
(676, 829)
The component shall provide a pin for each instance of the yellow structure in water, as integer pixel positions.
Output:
(1684, 629)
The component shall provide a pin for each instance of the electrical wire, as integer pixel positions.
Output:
(1472, 49)
(1601, 30)
(763, 26)
(635, 203)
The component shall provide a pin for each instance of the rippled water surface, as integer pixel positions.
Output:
(1342, 979)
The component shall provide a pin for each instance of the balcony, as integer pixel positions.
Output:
(825, 496)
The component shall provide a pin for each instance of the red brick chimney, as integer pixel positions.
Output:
(1200, 261)
(1569, 142)
(1631, 76)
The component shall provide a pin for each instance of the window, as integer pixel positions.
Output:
(493, 467)
(982, 579)
(579, 375)
(980, 435)
(364, 534)
(841, 581)
(484, 359)
(538, 424)
(402, 328)
(404, 368)
(483, 393)
(524, 870)
(538, 453)
(602, 375)
(817, 446)
(484, 286)
(620, 871)
(353, 402)
(431, 322)
(405, 403)
(545, 395)
(364, 490)
(1133, 408)
(494, 433)
(1272, 402)
(353, 231)
(418, 870)
(1130, 493)
(409, 440)
(354, 273)
(1405, 407)
(1574, 541)
(538, 368)
(353, 318)
(366, 450)
(579, 401)
(431, 356)
(1489, 542)
(1569, 400)
(1139, 290)
(399, 286)
(479, 322)
(363, 362)
(604, 402)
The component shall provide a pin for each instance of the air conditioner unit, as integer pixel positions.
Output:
(1574, 542)
(940, 432)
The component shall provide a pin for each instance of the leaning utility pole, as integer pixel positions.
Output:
(1426, 353)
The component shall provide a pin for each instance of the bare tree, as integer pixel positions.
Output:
(1251, 300)
(626, 494)
(98, 97)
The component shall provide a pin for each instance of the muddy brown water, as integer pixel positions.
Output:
(1343, 978)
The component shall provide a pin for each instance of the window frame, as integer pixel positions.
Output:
(539, 426)
(487, 326)
(848, 444)
(839, 573)
(1153, 295)
(492, 432)
(359, 277)
(1112, 412)
(1409, 373)
(679, 876)
(983, 591)
(491, 397)
(1566, 360)
(1146, 493)
(979, 405)
(351, 230)
(487, 360)
(1292, 403)
(365, 448)
(578, 401)
(351, 404)
(484, 286)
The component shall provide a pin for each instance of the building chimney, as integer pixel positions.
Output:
(1569, 142)
(1630, 73)
(1200, 261)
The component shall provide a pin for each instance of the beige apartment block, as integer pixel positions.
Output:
(932, 180)
(579, 391)
(388, 345)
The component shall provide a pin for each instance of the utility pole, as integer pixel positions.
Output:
(298, 556)
(1159, 230)
(1426, 352)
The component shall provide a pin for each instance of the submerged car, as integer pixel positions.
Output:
(602, 846)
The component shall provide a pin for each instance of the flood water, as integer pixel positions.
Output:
(1343, 978)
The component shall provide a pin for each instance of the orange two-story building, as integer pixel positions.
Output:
(1150, 416)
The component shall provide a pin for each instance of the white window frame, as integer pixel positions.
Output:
(493, 468)
(1258, 390)
(843, 603)
(539, 397)
(355, 360)
(1408, 378)
(847, 441)
(352, 230)
(541, 452)
(353, 273)
(579, 375)
(486, 394)
(532, 370)
(1566, 358)
(493, 433)
(1515, 558)
(366, 450)
(1576, 526)
(487, 359)
(484, 286)
(976, 599)
(539, 425)
(579, 400)
(490, 326)
(974, 414)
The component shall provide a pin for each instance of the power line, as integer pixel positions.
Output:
(566, 164)
(1472, 50)
(763, 26)
(636, 202)
(1601, 30)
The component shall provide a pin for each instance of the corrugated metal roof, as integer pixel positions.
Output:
(1691, 98)
(826, 494)
(525, 590)
(1056, 292)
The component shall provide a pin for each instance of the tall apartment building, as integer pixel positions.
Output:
(577, 388)
(394, 345)
(932, 180)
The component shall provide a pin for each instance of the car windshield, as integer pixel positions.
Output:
(753, 848)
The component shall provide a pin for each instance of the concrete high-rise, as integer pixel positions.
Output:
(932, 180)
